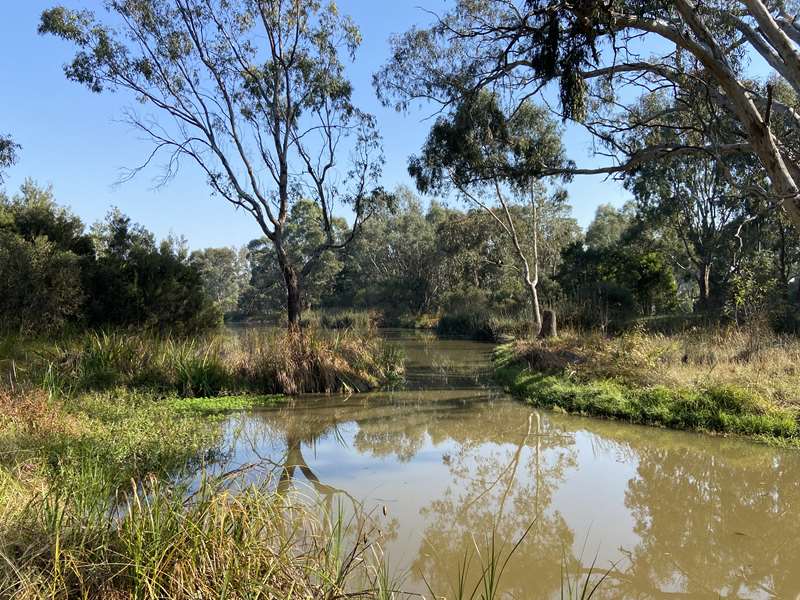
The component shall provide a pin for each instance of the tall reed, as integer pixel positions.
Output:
(157, 541)
(263, 361)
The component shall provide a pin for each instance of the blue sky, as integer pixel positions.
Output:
(75, 141)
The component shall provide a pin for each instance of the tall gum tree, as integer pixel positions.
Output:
(491, 160)
(596, 53)
(253, 92)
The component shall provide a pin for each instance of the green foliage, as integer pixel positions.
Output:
(348, 319)
(225, 273)
(474, 325)
(478, 145)
(9, 150)
(97, 498)
(135, 281)
(751, 288)
(220, 404)
(99, 441)
(608, 226)
(53, 274)
(613, 283)
(554, 43)
(411, 262)
(38, 289)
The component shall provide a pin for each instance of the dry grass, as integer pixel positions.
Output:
(751, 358)
(262, 361)
(298, 362)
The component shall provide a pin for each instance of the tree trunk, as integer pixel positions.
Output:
(549, 328)
(291, 279)
(758, 132)
(537, 316)
(293, 306)
(704, 281)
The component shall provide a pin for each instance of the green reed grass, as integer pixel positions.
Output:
(250, 362)
(157, 541)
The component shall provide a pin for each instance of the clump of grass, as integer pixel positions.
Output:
(484, 326)
(491, 561)
(254, 362)
(157, 541)
(301, 362)
(360, 320)
(727, 381)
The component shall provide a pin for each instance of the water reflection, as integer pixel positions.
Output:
(668, 514)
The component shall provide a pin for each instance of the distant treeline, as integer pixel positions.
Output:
(630, 263)
(408, 263)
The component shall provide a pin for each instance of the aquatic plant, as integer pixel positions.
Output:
(258, 361)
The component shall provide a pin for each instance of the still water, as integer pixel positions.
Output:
(450, 459)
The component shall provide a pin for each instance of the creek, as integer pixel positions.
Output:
(449, 461)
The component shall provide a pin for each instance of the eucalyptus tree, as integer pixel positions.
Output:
(491, 160)
(705, 201)
(692, 196)
(253, 93)
(609, 225)
(596, 54)
(8, 153)
(225, 273)
(303, 236)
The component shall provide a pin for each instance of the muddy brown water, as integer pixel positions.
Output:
(455, 462)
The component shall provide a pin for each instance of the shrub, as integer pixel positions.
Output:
(351, 319)
(39, 285)
(473, 325)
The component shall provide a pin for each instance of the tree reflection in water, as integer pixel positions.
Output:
(690, 516)
(713, 517)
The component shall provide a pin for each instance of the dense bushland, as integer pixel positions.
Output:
(414, 265)
(409, 267)
(54, 275)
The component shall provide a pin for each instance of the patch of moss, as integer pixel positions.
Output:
(219, 404)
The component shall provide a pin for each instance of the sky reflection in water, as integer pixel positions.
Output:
(670, 514)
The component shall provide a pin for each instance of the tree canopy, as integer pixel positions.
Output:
(254, 94)
(594, 56)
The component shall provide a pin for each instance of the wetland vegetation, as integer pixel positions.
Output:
(352, 404)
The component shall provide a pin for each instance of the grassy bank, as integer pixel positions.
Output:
(250, 361)
(103, 495)
(91, 506)
(724, 380)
